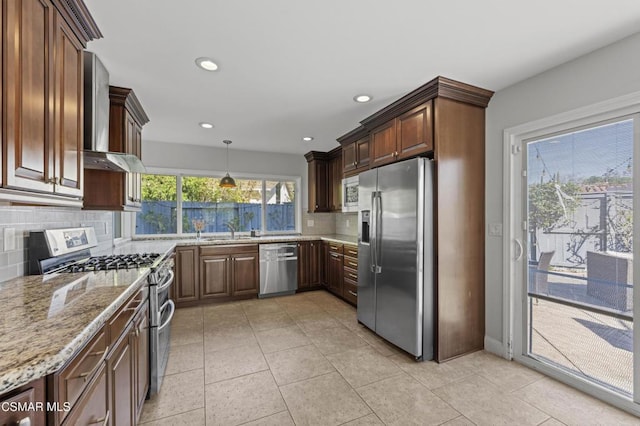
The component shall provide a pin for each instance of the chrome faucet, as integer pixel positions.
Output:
(232, 229)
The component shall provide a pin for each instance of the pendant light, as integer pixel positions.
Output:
(227, 181)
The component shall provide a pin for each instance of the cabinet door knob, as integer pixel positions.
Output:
(316, 206)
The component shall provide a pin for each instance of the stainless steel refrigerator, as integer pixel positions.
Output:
(395, 254)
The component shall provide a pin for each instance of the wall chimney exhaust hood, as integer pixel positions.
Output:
(96, 122)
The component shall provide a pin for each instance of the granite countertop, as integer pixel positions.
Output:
(46, 319)
(266, 239)
(138, 246)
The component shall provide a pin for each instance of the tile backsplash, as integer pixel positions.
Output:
(13, 263)
(330, 223)
(318, 223)
(347, 224)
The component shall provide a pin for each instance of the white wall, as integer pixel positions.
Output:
(603, 74)
(196, 157)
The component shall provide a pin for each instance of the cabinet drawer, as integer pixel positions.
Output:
(351, 251)
(121, 318)
(335, 248)
(92, 408)
(351, 274)
(350, 291)
(228, 249)
(350, 262)
(73, 378)
(27, 396)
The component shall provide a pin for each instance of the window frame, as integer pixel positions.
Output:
(180, 173)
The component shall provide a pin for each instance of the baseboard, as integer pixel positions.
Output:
(494, 346)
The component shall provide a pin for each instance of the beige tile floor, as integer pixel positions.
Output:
(304, 360)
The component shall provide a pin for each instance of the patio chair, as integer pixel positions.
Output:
(541, 276)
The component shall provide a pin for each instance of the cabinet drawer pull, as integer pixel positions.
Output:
(335, 255)
(89, 373)
(352, 263)
(104, 420)
(354, 294)
(354, 276)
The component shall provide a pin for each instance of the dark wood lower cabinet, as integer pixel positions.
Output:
(309, 264)
(93, 407)
(107, 381)
(186, 288)
(334, 273)
(140, 344)
(245, 274)
(229, 271)
(28, 394)
(119, 379)
(214, 276)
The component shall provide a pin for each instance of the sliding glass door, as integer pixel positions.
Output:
(578, 285)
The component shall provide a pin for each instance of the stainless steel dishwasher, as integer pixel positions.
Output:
(278, 269)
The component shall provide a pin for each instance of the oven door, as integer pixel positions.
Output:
(158, 295)
(160, 338)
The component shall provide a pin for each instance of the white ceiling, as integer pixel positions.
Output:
(290, 68)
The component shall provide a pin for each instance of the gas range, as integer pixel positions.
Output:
(68, 250)
(111, 262)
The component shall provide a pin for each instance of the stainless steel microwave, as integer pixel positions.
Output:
(350, 194)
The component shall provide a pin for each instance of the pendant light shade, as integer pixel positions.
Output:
(227, 181)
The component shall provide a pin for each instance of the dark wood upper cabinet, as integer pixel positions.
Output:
(335, 180)
(42, 100)
(414, 132)
(68, 138)
(106, 190)
(318, 181)
(362, 153)
(28, 90)
(355, 151)
(383, 144)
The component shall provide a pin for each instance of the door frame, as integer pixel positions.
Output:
(515, 247)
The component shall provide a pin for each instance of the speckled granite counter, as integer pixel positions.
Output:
(45, 319)
(139, 246)
(344, 239)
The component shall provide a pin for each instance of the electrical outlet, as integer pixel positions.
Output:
(348, 223)
(310, 223)
(9, 239)
(495, 230)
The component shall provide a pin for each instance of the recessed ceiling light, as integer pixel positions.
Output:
(206, 125)
(206, 64)
(307, 138)
(362, 98)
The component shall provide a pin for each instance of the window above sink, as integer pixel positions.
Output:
(264, 205)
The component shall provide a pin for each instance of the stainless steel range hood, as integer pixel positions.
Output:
(96, 122)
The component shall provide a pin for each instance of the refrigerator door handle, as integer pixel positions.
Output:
(378, 231)
(373, 241)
